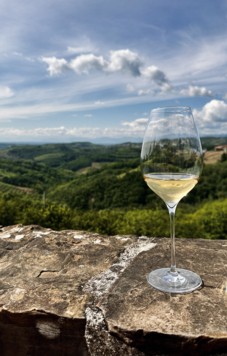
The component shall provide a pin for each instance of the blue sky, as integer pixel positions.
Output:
(90, 69)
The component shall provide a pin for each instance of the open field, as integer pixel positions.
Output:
(212, 157)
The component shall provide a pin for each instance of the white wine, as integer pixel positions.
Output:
(171, 187)
(171, 143)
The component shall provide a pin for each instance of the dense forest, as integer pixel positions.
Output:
(100, 188)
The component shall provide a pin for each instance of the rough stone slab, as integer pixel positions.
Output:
(78, 293)
(154, 323)
(42, 275)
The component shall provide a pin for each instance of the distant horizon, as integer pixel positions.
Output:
(101, 141)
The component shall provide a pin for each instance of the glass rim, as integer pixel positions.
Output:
(171, 109)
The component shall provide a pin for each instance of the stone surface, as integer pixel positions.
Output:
(190, 324)
(42, 275)
(77, 293)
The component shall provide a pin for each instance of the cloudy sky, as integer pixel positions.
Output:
(90, 69)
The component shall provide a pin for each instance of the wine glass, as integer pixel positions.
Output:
(171, 163)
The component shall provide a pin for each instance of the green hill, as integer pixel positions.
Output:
(100, 188)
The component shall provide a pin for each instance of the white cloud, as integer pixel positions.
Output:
(120, 60)
(5, 92)
(37, 132)
(82, 45)
(55, 65)
(149, 80)
(212, 118)
(46, 107)
(133, 128)
(139, 91)
(154, 74)
(125, 60)
(144, 91)
(196, 91)
(137, 125)
(68, 133)
(213, 112)
(196, 59)
(87, 62)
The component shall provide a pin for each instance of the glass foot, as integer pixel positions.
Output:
(182, 281)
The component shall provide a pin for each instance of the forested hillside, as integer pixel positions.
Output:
(100, 188)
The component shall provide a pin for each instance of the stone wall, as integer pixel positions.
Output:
(78, 293)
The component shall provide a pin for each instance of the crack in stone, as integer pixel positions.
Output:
(101, 284)
(47, 271)
(97, 336)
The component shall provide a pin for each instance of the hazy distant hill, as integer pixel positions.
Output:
(81, 174)
(100, 188)
(44, 167)
(210, 142)
(75, 155)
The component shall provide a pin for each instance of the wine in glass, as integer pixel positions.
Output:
(171, 162)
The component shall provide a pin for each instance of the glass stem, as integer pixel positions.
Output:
(172, 211)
